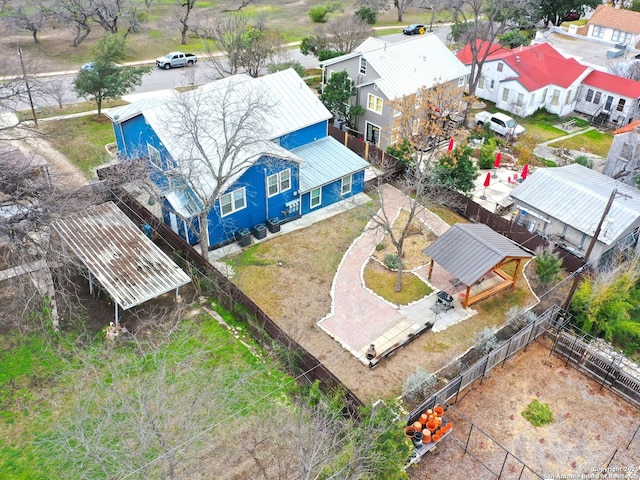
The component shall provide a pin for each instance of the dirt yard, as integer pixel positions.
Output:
(591, 426)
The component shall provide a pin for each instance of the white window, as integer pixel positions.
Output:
(346, 185)
(278, 182)
(621, 37)
(520, 100)
(461, 82)
(500, 66)
(532, 100)
(492, 84)
(481, 83)
(316, 197)
(154, 157)
(597, 98)
(556, 97)
(589, 96)
(598, 31)
(505, 95)
(544, 95)
(566, 100)
(620, 106)
(233, 201)
(363, 66)
(374, 104)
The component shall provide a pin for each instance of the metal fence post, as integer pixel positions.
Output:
(508, 352)
(503, 464)
(484, 370)
(468, 439)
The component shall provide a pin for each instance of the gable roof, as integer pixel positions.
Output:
(536, 66)
(612, 83)
(469, 250)
(406, 66)
(628, 128)
(292, 106)
(577, 196)
(325, 160)
(616, 18)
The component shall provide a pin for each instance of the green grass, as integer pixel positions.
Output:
(90, 134)
(383, 281)
(592, 141)
(68, 109)
(538, 414)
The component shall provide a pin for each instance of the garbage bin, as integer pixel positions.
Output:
(273, 224)
(243, 236)
(260, 231)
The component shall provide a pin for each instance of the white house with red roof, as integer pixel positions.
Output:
(524, 79)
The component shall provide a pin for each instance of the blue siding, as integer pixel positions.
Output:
(304, 136)
(184, 229)
(331, 193)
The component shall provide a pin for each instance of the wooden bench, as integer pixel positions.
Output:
(568, 124)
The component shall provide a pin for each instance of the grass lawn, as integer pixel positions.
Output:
(90, 134)
(46, 383)
(68, 109)
(593, 141)
(382, 281)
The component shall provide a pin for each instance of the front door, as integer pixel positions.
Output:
(372, 133)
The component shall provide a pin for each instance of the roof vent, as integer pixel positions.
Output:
(518, 58)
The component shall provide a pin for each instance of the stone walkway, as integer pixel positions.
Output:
(359, 317)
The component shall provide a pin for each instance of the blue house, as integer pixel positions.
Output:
(208, 145)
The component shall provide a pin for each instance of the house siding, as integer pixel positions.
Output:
(620, 118)
(331, 193)
(624, 167)
(304, 135)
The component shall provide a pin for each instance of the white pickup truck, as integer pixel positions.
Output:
(500, 123)
(176, 59)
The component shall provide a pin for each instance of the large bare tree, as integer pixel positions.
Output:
(220, 130)
(32, 16)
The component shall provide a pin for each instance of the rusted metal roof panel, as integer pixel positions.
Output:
(122, 259)
(468, 251)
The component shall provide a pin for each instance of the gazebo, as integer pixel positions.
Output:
(471, 252)
(119, 257)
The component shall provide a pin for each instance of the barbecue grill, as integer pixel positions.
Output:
(444, 299)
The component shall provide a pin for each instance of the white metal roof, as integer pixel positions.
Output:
(291, 107)
(406, 66)
(325, 160)
(577, 196)
(122, 259)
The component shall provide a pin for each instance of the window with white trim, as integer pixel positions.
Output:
(481, 83)
(621, 37)
(279, 182)
(346, 185)
(492, 84)
(532, 99)
(625, 152)
(598, 31)
(315, 198)
(374, 104)
(233, 201)
(566, 100)
(555, 99)
(597, 97)
(505, 95)
(363, 66)
(500, 66)
(154, 157)
(621, 103)
(589, 96)
(520, 100)
(544, 95)
(461, 82)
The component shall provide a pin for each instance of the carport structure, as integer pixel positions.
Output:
(473, 252)
(119, 257)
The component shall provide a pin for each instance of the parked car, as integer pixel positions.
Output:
(176, 59)
(88, 66)
(571, 16)
(500, 123)
(414, 29)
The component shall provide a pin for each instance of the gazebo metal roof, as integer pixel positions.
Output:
(125, 262)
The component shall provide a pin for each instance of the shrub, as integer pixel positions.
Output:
(518, 318)
(513, 39)
(392, 261)
(367, 15)
(584, 161)
(416, 386)
(379, 247)
(548, 267)
(318, 14)
(402, 151)
(538, 414)
(485, 340)
(328, 54)
(297, 66)
(626, 335)
(487, 154)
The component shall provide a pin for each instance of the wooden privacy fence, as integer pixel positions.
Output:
(499, 355)
(230, 296)
(607, 368)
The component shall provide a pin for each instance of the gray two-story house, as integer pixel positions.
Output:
(383, 71)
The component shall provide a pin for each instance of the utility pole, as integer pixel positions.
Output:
(26, 82)
(592, 243)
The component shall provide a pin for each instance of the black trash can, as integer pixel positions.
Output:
(260, 231)
(273, 224)
(243, 236)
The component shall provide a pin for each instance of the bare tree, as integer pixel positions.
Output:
(401, 7)
(228, 34)
(111, 14)
(259, 50)
(346, 33)
(56, 89)
(221, 131)
(630, 70)
(77, 14)
(32, 17)
(484, 21)
(183, 12)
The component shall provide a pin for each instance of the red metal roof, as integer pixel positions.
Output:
(536, 66)
(612, 83)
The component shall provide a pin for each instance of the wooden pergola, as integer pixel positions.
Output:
(470, 252)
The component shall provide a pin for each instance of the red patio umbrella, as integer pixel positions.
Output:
(486, 183)
(525, 171)
(450, 145)
(496, 164)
